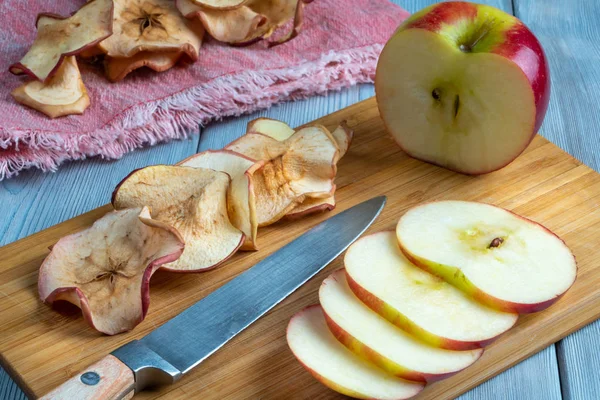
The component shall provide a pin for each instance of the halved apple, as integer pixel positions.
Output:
(337, 367)
(375, 339)
(464, 86)
(416, 301)
(503, 260)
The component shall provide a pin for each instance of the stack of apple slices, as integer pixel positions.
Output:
(420, 304)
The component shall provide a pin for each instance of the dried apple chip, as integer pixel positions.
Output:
(296, 26)
(154, 26)
(311, 206)
(118, 68)
(277, 13)
(258, 146)
(229, 26)
(63, 94)
(302, 166)
(241, 204)
(276, 129)
(343, 136)
(58, 37)
(193, 201)
(221, 4)
(281, 131)
(105, 270)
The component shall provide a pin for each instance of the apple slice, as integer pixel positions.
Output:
(311, 206)
(230, 26)
(278, 130)
(464, 86)
(281, 131)
(105, 269)
(118, 68)
(373, 338)
(151, 26)
(337, 367)
(193, 201)
(58, 37)
(241, 205)
(300, 167)
(63, 94)
(502, 259)
(416, 301)
(220, 4)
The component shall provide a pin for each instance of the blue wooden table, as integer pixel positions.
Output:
(570, 33)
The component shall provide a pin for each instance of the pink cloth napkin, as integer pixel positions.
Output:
(338, 47)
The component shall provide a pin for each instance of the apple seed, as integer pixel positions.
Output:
(496, 243)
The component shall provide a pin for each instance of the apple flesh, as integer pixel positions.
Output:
(422, 304)
(337, 367)
(464, 86)
(375, 339)
(506, 261)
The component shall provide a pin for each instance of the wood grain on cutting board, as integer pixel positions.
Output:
(42, 348)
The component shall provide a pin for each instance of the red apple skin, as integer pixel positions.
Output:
(482, 297)
(520, 46)
(293, 216)
(366, 352)
(402, 322)
(327, 382)
(465, 284)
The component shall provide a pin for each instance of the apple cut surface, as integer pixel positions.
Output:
(241, 206)
(300, 167)
(337, 367)
(504, 260)
(118, 68)
(58, 37)
(63, 94)
(278, 130)
(193, 201)
(416, 301)
(281, 131)
(105, 269)
(373, 338)
(469, 112)
(151, 26)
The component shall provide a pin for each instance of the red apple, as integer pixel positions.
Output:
(464, 86)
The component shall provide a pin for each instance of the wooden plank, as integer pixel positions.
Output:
(544, 184)
(569, 34)
(35, 200)
(293, 113)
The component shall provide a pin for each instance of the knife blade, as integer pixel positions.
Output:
(173, 349)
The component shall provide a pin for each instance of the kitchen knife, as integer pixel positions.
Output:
(170, 351)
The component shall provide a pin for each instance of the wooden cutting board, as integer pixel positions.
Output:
(42, 348)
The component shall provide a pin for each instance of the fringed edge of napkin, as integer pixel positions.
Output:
(179, 115)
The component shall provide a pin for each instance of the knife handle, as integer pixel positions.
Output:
(109, 378)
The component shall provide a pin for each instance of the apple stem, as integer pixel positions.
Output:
(436, 94)
(496, 243)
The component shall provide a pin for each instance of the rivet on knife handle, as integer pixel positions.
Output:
(114, 380)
